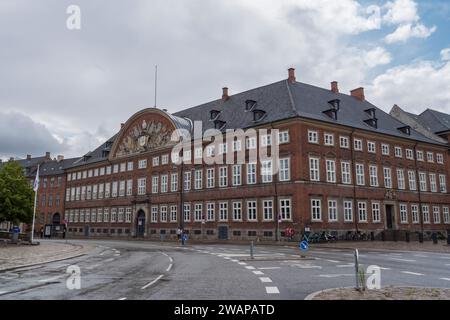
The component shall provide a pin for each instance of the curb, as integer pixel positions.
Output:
(311, 296)
(381, 250)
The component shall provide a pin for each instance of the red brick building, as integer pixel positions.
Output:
(345, 166)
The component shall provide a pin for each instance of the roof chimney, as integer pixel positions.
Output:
(358, 94)
(47, 155)
(291, 75)
(334, 87)
(60, 158)
(28, 156)
(225, 95)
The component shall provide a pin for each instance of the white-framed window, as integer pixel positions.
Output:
(371, 147)
(175, 157)
(398, 152)
(79, 175)
(401, 179)
(430, 156)
(426, 214)
(409, 154)
(387, 177)
(93, 215)
(82, 215)
(419, 155)
(373, 173)
(164, 159)
(285, 172)
(357, 145)
(123, 167)
(285, 209)
(436, 215)
(440, 158)
(314, 171)
(142, 164)
(154, 218)
(252, 211)
(94, 191)
(130, 166)
(433, 182)
(142, 186)
(266, 140)
(174, 182)
(105, 214)
(360, 179)
(385, 149)
(331, 171)
(173, 213)
(376, 214)
(223, 176)
(362, 211)
(348, 211)
(415, 213)
(210, 178)
(128, 215)
(443, 183)
(96, 172)
(210, 150)
(251, 173)
(237, 176)
(101, 191)
(328, 139)
(129, 187)
(113, 192)
(267, 210)
(107, 190)
(412, 180)
(344, 142)
(346, 174)
(83, 193)
(332, 211)
(316, 210)
(155, 161)
(163, 213)
(198, 153)
(108, 170)
(121, 188)
(115, 170)
(446, 214)
(223, 148)
(237, 211)
(121, 215)
(423, 181)
(403, 213)
(198, 212)
(77, 193)
(266, 171)
(283, 137)
(198, 179)
(164, 182)
(250, 143)
(210, 211)
(313, 137)
(187, 212)
(237, 145)
(187, 181)
(155, 184)
(223, 211)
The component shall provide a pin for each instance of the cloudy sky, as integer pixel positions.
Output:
(66, 91)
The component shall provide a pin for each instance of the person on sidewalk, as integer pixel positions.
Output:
(42, 232)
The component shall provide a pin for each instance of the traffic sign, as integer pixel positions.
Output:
(304, 246)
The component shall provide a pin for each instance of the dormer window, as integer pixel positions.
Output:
(331, 113)
(258, 115)
(219, 124)
(213, 114)
(405, 130)
(371, 112)
(250, 105)
(372, 122)
(335, 104)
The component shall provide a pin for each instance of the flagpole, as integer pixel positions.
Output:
(35, 202)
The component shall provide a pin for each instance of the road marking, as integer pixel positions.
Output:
(227, 258)
(345, 265)
(413, 273)
(403, 260)
(50, 279)
(348, 254)
(272, 290)
(117, 254)
(446, 279)
(150, 283)
(420, 256)
(250, 268)
(94, 266)
(234, 260)
(170, 259)
(122, 299)
(385, 268)
(305, 266)
(3, 292)
(448, 264)
(258, 273)
(169, 267)
(242, 263)
(335, 275)
(265, 279)
(444, 257)
(109, 260)
(164, 254)
(332, 261)
(269, 268)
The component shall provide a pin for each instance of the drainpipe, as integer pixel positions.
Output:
(355, 205)
(275, 184)
(419, 191)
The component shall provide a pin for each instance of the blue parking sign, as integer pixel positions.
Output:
(303, 246)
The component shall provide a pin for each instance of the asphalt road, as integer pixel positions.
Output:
(120, 270)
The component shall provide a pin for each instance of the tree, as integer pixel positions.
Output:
(16, 194)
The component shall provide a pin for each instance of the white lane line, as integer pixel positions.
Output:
(335, 275)
(446, 279)
(345, 266)
(272, 290)
(150, 283)
(3, 292)
(122, 299)
(117, 254)
(412, 273)
(109, 260)
(402, 260)
(250, 268)
(50, 279)
(169, 267)
(269, 268)
(234, 260)
(382, 268)
(420, 256)
(170, 259)
(265, 279)
(227, 258)
(94, 266)
(164, 254)
(242, 263)
(332, 261)
(259, 273)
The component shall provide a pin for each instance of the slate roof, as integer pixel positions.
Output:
(54, 167)
(437, 121)
(99, 154)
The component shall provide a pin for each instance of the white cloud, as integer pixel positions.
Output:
(413, 87)
(445, 54)
(400, 12)
(377, 56)
(407, 31)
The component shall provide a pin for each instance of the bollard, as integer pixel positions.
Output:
(357, 268)
(251, 251)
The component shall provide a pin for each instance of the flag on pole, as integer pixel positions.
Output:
(36, 181)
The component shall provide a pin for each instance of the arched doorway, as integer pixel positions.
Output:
(140, 224)
(56, 220)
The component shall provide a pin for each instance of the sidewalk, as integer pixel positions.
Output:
(16, 256)
(427, 246)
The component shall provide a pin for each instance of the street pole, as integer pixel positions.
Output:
(36, 188)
